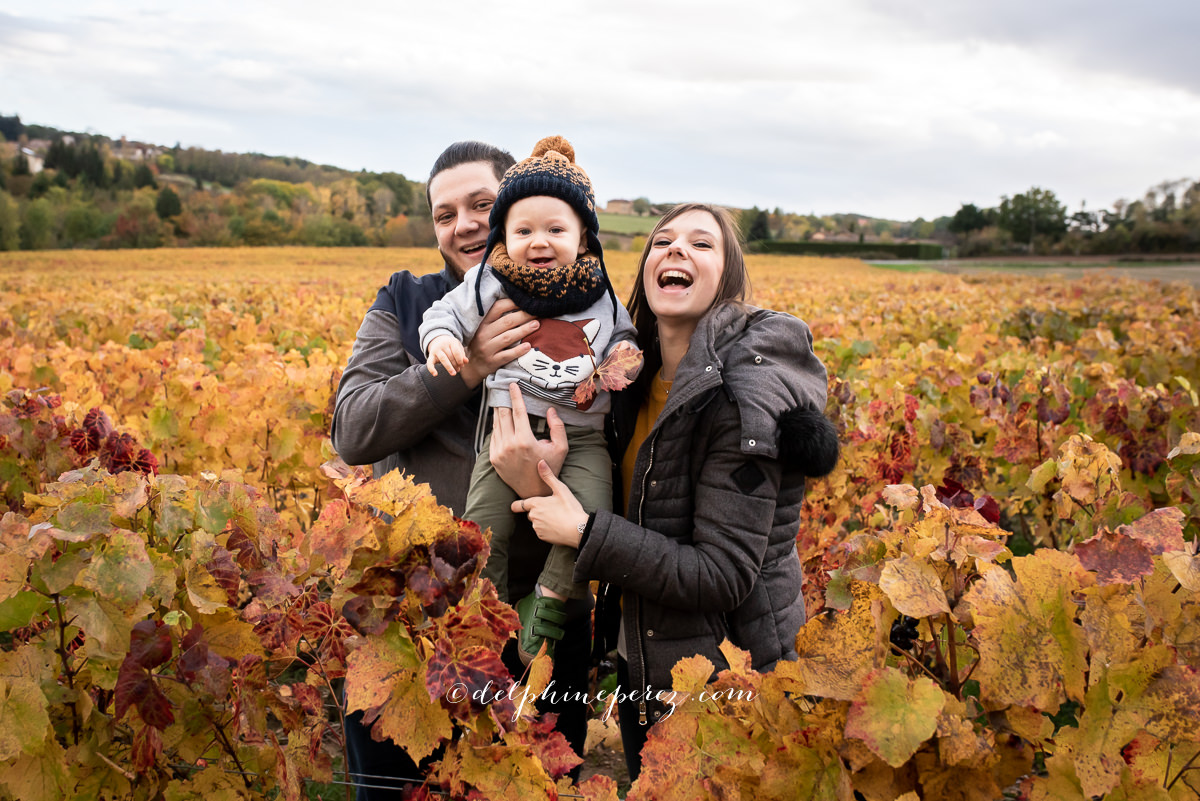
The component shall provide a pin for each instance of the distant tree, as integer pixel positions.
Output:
(1033, 213)
(143, 176)
(757, 225)
(10, 222)
(83, 224)
(641, 206)
(61, 156)
(402, 190)
(168, 204)
(41, 184)
(11, 128)
(91, 166)
(922, 228)
(1086, 222)
(20, 165)
(37, 226)
(967, 219)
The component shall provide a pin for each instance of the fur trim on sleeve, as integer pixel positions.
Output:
(808, 440)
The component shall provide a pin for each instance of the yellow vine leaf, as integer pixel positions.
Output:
(38, 776)
(540, 670)
(497, 772)
(1185, 567)
(893, 714)
(384, 678)
(690, 674)
(1088, 470)
(914, 587)
(202, 588)
(1031, 650)
(838, 650)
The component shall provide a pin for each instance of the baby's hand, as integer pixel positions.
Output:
(449, 352)
(628, 349)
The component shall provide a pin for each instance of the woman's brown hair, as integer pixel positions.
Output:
(734, 286)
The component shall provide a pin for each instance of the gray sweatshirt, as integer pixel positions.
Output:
(566, 349)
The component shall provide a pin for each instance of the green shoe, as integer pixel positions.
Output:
(542, 619)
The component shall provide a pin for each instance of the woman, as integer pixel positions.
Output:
(714, 441)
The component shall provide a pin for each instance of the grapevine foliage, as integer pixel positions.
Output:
(1001, 574)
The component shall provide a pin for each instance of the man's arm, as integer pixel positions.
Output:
(385, 402)
(388, 403)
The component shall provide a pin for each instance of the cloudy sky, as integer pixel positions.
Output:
(891, 108)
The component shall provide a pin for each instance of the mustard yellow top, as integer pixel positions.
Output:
(647, 415)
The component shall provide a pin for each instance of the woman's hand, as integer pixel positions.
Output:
(555, 517)
(515, 451)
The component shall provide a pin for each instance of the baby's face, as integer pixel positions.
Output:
(543, 232)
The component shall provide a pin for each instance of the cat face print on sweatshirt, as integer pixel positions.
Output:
(560, 359)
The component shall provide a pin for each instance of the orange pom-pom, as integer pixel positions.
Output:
(555, 143)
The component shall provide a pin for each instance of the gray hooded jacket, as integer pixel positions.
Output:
(707, 548)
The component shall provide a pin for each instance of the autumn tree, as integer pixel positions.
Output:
(641, 206)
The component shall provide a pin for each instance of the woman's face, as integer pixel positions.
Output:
(684, 268)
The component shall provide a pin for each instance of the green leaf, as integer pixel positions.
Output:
(121, 570)
(26, 722)
(894, 715)
(21, 609)
(163, 423)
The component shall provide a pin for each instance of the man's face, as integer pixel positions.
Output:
(462, 198)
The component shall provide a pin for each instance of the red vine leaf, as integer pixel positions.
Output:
(1116, 558)
(150, 644)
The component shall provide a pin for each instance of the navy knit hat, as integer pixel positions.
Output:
(549, 171)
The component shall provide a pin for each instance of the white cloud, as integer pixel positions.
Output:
(892, 109)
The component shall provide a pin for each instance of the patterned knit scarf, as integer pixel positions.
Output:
(552, 291)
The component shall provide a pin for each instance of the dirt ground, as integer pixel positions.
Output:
(1186, 270)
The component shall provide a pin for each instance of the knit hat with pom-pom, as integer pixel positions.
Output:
(549, 171)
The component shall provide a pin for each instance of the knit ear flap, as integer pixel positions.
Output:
(492, 240)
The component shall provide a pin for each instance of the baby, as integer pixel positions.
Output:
(544, 253)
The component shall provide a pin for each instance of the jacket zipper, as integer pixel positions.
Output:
(638, 609)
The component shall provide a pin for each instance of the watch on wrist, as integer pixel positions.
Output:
(582, 527)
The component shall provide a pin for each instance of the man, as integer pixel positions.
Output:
(392, 413)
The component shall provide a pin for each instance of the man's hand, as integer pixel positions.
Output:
(497, 341)
(555, 517)
(515, 451)
(447, 351)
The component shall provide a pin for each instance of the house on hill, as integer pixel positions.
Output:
(36, 163)
(136, 151)
(619, 207)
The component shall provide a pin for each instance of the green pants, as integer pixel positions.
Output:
(587, 472)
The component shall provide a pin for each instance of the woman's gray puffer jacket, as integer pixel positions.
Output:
(707, 548)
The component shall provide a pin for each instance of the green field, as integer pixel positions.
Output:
(625, 224)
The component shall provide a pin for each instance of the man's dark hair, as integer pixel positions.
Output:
(466, 153)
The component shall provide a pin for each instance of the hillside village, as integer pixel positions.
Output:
(62, 189)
